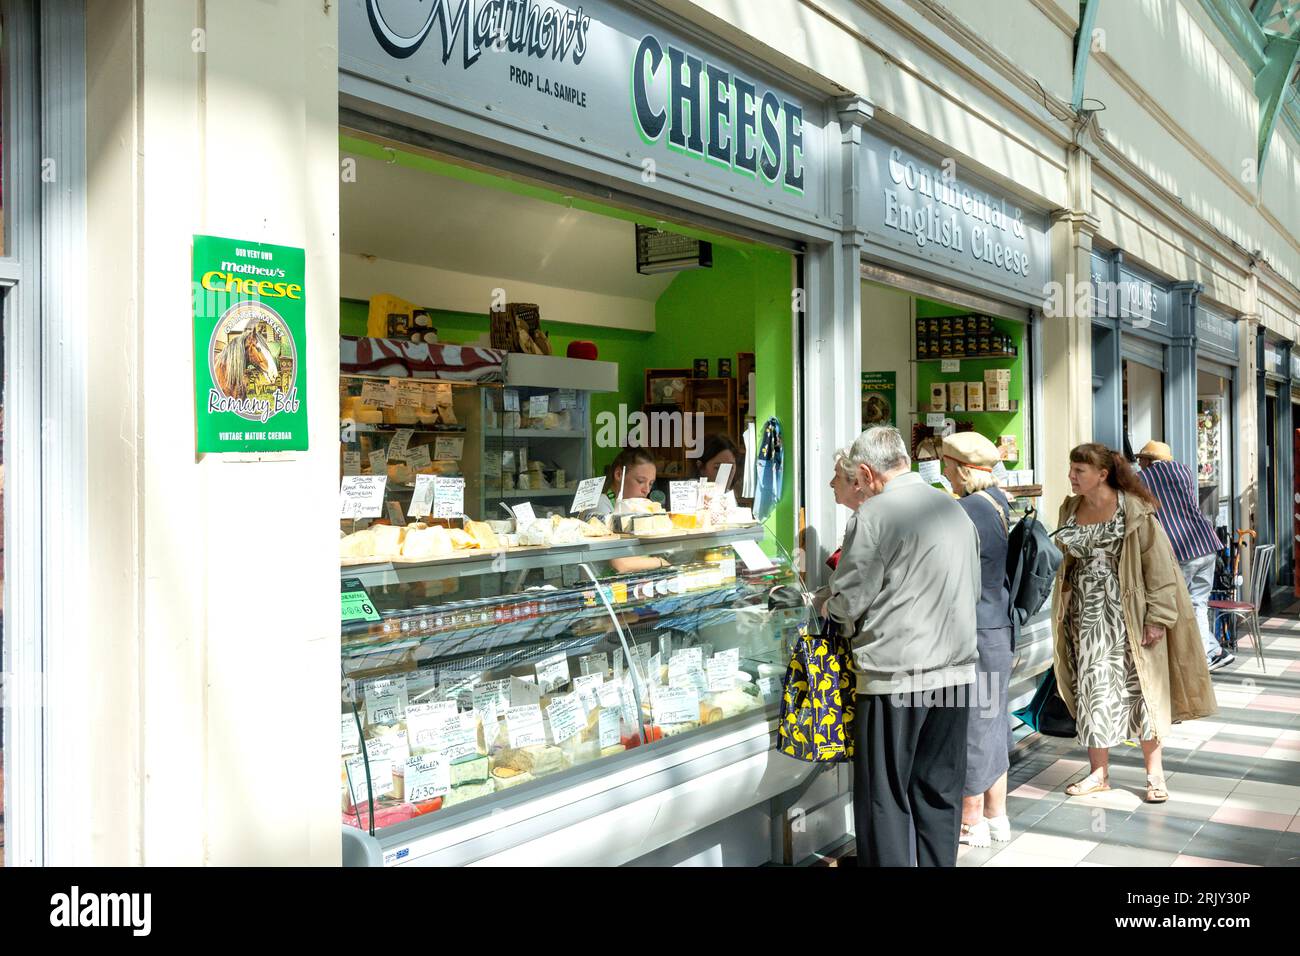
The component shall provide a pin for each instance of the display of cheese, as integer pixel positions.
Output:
(546, 760)
(359, 544)
(369, 415)
(739, 516)
(400, 473)
(673, 730)
(698, 521)
(612, 749)
(652, 524)
(575, 751)
(515, 759)
(469, 791)
(471, 769)
(432, 542)
(594, 527)
(401, 415)
(732, 702)
(483, 535)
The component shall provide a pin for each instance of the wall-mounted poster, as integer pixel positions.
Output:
(879, 393)
(250, 383)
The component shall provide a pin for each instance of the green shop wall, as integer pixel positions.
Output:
(742, 304)
(989, 424)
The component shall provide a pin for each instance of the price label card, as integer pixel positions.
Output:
(385, 700)
(511, 400)
(752, 556)
(666, 647)
(362, 496)
(694, 655)
(567, 717)
(724, 476)
(628, 701)
(448, 449)
(525, 726)
(352, 462)
(950, 365)
(684, 496)
(458, 736)
(381, 779)
(935, 419)
(538, 406)
(418, 458)
(423, 722)
(379, 462)
(722, 673)
(508, 461)
(610, 721)
(394, 747)
(351, 736)
(676, 705)
(494, 694)
(524, 515)
(567, 398)
(654, 669)
(524, 692)
(376, 393)
(487, 718)
(422, 499)
(618, 661)
(357, 605)
(448, 497)
(610, 695)
(594, 664)
(588, 494)
(521, 458)
(930, 471)
(553, 672)
(586, 687)
(401, 440)
(769, 688)
(427, 776)
(395, 513)
(409, 394)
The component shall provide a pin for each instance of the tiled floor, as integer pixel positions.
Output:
(1234, 783)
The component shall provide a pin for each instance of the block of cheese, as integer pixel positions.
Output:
(652, 524)
(360, 544)
(388, 539)
(516, 760)
(369, 416)
(400, 473)
(594, 527)
(546, 760)
(698, 521)
(472, 769)
(468, 791)
(612, 749)
(461, 540)
(641, 506)
(401, 415)
(432, 542)
(483, 535)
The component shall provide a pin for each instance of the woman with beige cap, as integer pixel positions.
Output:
(968, 462)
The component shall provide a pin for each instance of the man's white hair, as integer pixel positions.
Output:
(882, 449)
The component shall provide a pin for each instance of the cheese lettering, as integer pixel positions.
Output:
(218, 281)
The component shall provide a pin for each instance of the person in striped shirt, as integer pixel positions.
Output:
(1190, 532)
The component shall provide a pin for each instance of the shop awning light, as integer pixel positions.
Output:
(658, 251)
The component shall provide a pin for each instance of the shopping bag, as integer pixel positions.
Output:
(817, 701)
(1047, 713)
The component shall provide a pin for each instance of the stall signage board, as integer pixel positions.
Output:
(602, 76)
(880, 397)
(250, 338)
(357, 605)
(917, 204)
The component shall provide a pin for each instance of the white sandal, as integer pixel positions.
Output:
(1096, 782)
(999, 828)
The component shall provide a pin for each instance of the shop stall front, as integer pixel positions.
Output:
(953, 270)
(1217, 442)
(552, 256)
(1273, 511)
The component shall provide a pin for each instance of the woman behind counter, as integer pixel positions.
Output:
(1127, 651)
(968, 461)
(632, 472)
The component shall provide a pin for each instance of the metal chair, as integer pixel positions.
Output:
(1261, 566)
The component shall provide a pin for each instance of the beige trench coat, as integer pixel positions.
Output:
(1173, 672)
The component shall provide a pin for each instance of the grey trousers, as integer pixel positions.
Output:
(1199, 575)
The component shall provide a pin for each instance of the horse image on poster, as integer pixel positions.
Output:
(244, 356)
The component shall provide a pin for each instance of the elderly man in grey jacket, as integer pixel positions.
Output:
(906, 587)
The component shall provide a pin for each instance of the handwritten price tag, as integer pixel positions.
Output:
(525, 726)
(427, 776)
(362, 496)
(352, 462)
(566, 716)
(418, 458)
(684, 496)
(448, 497)
(422, 499)
(448, 449)
(401, 440)
(588, 495)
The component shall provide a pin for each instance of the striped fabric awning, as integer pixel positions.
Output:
(397, 358)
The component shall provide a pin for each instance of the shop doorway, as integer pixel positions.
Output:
(1143, 405)
(1215, 449)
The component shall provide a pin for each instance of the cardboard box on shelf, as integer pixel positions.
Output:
(938, 397)
(974, 396)
(957, 396)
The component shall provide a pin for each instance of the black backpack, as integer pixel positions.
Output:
(1032, 561)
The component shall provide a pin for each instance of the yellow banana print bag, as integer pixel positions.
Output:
(817, 702)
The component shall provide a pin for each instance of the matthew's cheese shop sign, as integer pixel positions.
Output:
(250, 384)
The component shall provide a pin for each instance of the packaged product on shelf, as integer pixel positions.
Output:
(957, 396)
(938, 397)
(974, 396)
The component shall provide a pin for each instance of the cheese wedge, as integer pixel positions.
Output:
(369, 415)
(652, 524)
(461, 540)
(595, 528)
(641, 506)
(400, 472)
(432, 542)
(483, 535)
